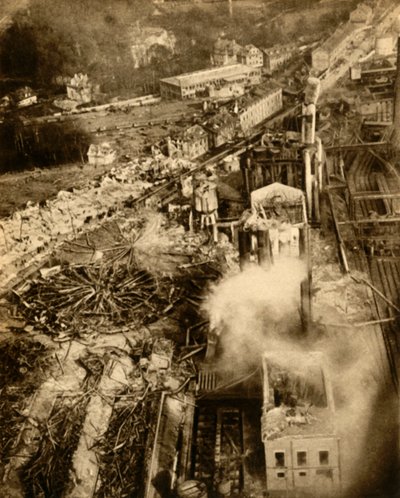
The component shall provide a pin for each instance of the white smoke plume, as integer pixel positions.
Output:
(257, 311)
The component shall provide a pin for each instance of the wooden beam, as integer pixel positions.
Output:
(337, 187)
(362, 196)
(365, 145)
(363, 221)
(376, 322)
(377, 291)
(383, 238)
(379, 70)
(377, 123)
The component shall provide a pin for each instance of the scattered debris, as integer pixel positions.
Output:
(22, 366)
(122, 449)
(44, 474)
(56, 303)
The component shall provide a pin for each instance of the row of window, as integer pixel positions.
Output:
(303, 473)
(301, 458)
(259, 110)
(202, 86)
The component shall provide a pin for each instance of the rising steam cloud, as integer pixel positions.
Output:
(257, 311)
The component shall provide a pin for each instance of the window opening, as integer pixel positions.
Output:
(301, 458)
(324, 457)
(279, 459)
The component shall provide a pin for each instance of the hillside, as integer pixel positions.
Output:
(51, 39)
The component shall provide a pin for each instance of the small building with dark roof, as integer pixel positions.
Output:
(222, 128)
(275, 57)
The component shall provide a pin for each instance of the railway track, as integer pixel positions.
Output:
(369, 181)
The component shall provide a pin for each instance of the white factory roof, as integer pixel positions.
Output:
(205, 75)
(275, 190)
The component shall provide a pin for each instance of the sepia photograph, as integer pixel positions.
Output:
(199, 248)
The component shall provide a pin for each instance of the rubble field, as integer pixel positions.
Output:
(40, 184)
(97, 339)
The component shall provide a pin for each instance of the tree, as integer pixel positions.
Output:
(63, 37)
(19, 54)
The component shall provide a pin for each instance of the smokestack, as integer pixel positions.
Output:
(264, 251)
(311, 94)
(244, 239)
(230, 8)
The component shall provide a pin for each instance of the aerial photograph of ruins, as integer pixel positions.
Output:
(199, 248)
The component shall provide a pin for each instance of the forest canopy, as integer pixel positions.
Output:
(61, 37)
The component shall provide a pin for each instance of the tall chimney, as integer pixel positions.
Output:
(396, 108)
(230, 8)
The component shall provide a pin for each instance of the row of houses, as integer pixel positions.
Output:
(228, 52)
(231, 121)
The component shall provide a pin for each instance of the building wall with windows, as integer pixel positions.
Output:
(260, 107)
(250, 56)
(276, 57)
(302, 450)
(222, 128)
(309, 463)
